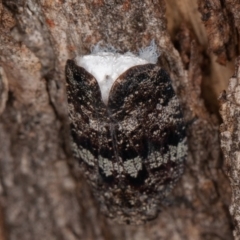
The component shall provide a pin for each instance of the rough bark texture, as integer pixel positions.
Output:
(43, 194)
(230, 133)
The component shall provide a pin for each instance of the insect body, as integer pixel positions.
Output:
(132, 146)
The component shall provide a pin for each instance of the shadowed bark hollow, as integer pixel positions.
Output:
(43, 194)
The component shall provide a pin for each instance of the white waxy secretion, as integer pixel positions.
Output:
(106, 65)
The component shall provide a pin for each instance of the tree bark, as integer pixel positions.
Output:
(43, 193)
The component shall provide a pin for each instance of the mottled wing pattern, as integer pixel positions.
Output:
(133, 149)
(149, 123)
(150, 134)
(92, 135)
(89, 121)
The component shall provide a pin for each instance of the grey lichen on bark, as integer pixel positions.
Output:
(230, 135)
(42, 192)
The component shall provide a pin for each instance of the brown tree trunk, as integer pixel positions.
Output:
(43, 194)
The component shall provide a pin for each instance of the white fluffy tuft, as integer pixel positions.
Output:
(150, 53)
(106, 65)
